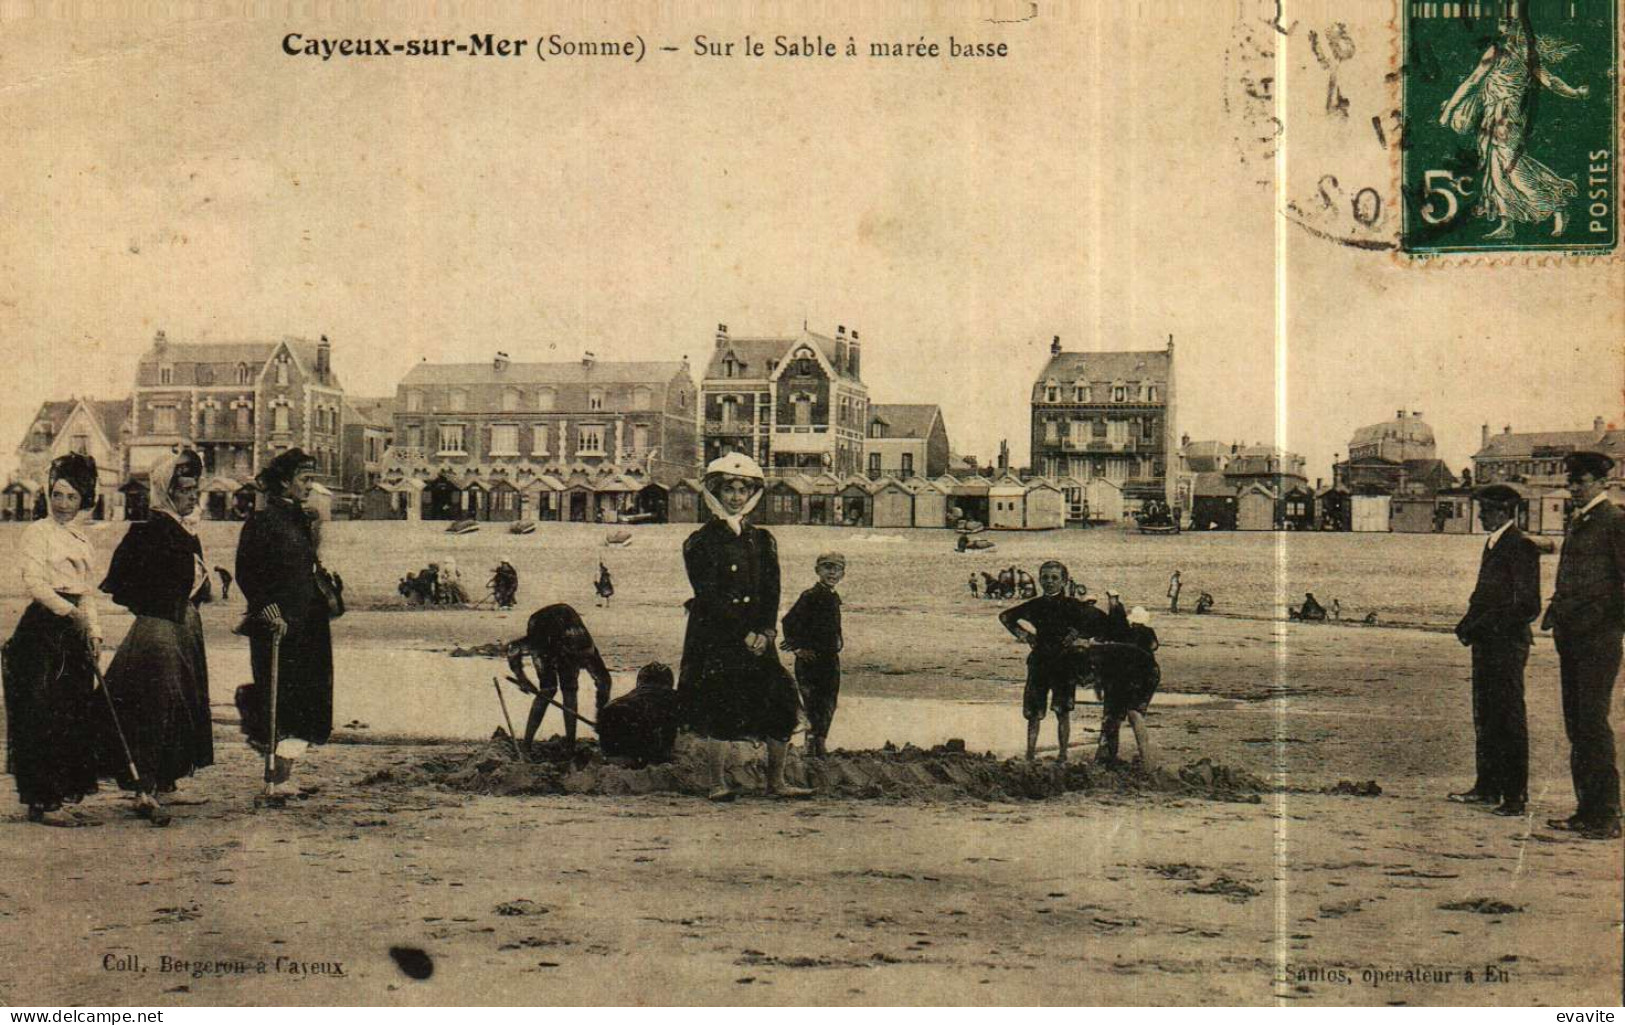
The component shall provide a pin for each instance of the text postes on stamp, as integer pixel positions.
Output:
(1511, 123)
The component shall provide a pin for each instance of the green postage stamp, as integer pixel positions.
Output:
(1511, 126)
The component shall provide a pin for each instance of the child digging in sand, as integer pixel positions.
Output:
(1051, 624)
(1126, 677)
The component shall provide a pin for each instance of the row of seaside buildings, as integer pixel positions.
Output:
(593, 440)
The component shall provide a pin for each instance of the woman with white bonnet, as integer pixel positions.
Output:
(732, 686)
(159, 679)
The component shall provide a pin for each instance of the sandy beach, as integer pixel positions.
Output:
(1128, 888)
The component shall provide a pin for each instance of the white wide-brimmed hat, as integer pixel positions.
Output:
(737, 464)
(1139, 616)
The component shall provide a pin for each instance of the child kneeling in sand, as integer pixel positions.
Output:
(1052, 624)
(641, 726)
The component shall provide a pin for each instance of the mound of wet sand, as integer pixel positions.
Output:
(908, 773)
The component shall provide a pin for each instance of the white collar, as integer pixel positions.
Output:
(1602, 496)
(1496, 534)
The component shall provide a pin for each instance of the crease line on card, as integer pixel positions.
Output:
(1282, 321)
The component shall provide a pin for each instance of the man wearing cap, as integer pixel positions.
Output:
(1504, 602)
(1587, 620)
(812, 630)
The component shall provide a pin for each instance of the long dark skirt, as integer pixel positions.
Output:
(730, 694)
(53, 715)
(159, 681)
(304, 686)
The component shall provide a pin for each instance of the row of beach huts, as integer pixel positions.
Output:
(1007, 502)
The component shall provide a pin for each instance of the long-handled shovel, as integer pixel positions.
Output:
(269, 798)
(576, 715)
(156, 813)
(112, 713)
(518, 749)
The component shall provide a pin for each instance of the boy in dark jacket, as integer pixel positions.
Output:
(812, 630)
(1051, 625)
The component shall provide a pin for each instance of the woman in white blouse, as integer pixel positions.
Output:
(53, 719)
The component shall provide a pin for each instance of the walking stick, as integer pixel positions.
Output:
(129, 759)
(509, 719)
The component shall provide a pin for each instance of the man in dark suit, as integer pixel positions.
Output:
(1587, 620)
(1504, 602)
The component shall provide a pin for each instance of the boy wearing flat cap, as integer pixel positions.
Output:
(812, 630)
(1505, 600)
(1587, 620)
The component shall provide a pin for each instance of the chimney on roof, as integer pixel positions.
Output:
(1597, 424)
(854, 355)
(1055, 346)
(841, 365)
(160, 342)
(1507, 429)
(1399, 414)
(588, 359)
(500, 362)
(722, 335)
(1416, 414)
(324, 359)
(1483, 435)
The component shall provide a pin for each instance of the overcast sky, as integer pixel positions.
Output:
(1102, 183)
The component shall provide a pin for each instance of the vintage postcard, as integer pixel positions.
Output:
(990, 503)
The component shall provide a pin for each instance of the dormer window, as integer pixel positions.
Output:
(282, 369)
(595, 399)
(166, 375)
(1080, 392)
(1052, 391)
(243, 374)
(1119, 392)
(1151, 393)
(728, 366)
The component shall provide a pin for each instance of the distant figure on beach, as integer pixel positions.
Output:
(1311, 611)
(1050, 625)
(1204, 603)
(1505, 600)
(505, 585)
(604, 586)
(812, 631)
(452, 591)
(1024, 582)
(641, 726)
(973, 592)
(731, 685)
(1175, 585)
(1337, 610)
(963, 544)
(559, 647)
(225, 582)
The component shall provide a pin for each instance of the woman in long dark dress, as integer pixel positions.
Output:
(732, 686)
(159, 679)
(276, 571)
(52, 709)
